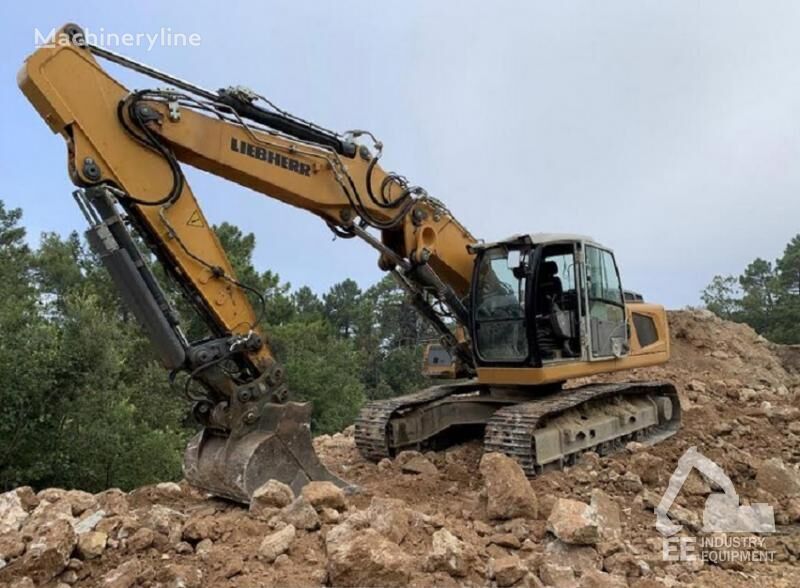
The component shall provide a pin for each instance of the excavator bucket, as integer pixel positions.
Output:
(280, 448)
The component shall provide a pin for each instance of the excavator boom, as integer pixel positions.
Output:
(125, 150)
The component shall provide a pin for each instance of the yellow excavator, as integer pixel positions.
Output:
(517, 318)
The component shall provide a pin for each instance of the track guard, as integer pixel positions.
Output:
(278, 448)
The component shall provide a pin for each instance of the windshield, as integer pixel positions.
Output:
(500, 306)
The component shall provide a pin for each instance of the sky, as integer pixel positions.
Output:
(666, 130)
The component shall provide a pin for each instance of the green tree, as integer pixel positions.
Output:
(721, 297)
(322, 368)
(343, 307)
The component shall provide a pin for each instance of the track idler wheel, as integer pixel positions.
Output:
(279, 447)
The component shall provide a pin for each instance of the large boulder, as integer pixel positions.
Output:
(300, 514)
(598, 579)
(12, 545)
(113, 501)
(413, 462)
(389, 517)
(12, 512)
(607, 515)
(48, 553)
(123, 576)
(573, 522)
(507, 570)
(270, 496)
(778, 479)
(580, 558)
(508, 493)
(276, 544)
(364, 557)
(449, 554)
(91, 545)
(324, 495)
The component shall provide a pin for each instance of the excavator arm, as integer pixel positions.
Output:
(124, 153)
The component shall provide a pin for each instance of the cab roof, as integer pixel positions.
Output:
(539, 239)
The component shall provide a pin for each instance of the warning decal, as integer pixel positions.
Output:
(196, 220)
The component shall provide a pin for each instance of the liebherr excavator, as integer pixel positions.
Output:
(518, 318)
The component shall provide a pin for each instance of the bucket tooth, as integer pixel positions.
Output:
(279, 447)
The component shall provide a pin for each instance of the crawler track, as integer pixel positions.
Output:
(372, 425)
(513, 429)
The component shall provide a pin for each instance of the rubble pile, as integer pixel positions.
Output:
(456, 517)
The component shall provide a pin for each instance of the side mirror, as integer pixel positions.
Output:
(514, 259)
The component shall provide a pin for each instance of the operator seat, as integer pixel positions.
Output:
(550, 288)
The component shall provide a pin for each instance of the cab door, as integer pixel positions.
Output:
(605, 305)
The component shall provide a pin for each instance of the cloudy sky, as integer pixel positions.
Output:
(666, 130)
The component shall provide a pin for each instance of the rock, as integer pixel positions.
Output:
(12, 512)
(91, 544)
(12, 545)
(385, 464)
(598, 579)
(696, 485)
(573, 522)
(606, 514)
(508, 493)
(648, 467)
(279, 542)
(141, 540)
(69, 577)
(507, 570)
(622, 564)
(505, 540)
(630, 482)
(80, 501)
(184, 548)
(778, 479)
(51, 495)
(324, 495)
(416, 464)
(557, 576)
(449, 554)
(197, 528)
(389, 517)
(329, 516)
(48, 553)
(165, 520)
(270, 496)
(89, 522)
(27, 497)
(235, 565)
(45, 513)
(300, 514)
(181, 576)
(24, 582)
(697, 386)
(364, 557)
(169, 489)
(203, 548)
(579, 558)
(113, 502)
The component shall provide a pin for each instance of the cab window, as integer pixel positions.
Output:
(606, 304)
(500, 305)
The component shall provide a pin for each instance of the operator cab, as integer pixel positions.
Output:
(545, 298)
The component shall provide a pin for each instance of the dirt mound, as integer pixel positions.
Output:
(423, 520)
